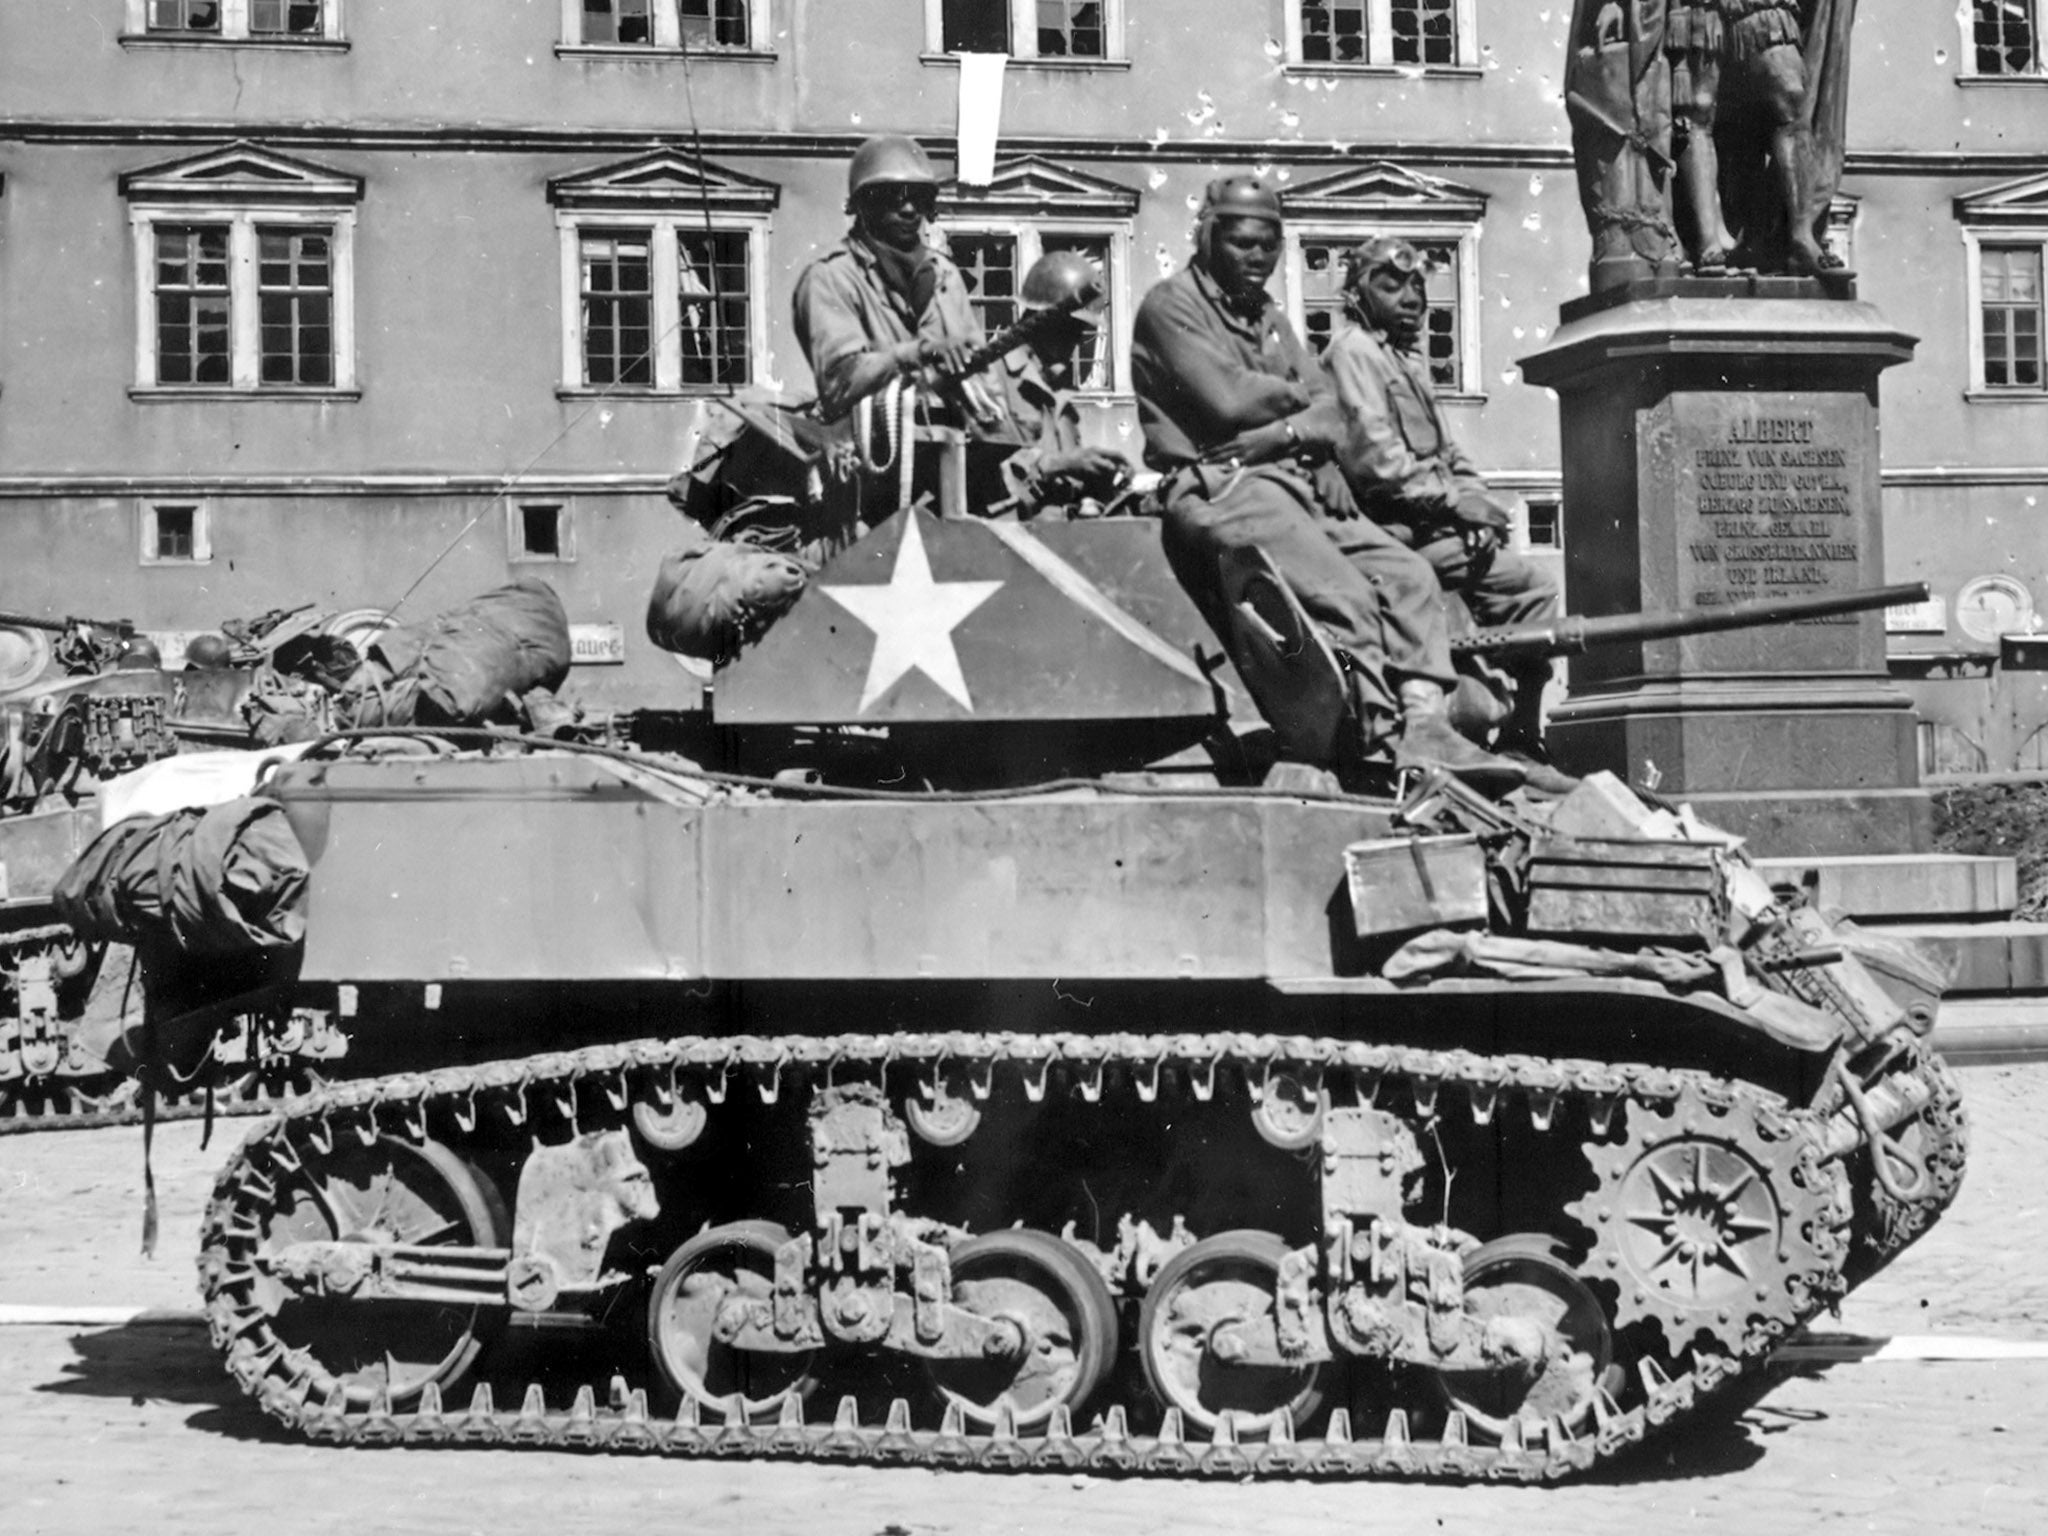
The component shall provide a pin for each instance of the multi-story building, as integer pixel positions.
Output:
(355, 301)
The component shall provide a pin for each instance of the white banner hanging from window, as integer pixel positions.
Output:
(981, 115)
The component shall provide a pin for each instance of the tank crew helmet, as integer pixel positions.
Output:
(889, 160)
(1234, 197)
(1059, 277)
(1382, 252)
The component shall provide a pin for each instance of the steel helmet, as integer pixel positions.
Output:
(1060, 276)
(139, 654)
(208, 652)
(888, 157)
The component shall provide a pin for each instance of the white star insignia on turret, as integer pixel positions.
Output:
(913, 618)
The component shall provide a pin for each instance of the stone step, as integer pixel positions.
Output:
(1976, 1031)
(1884, 888)
(1995, 958)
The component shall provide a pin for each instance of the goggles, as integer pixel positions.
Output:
(1385, 254)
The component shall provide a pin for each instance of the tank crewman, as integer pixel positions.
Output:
(1055, 467)
(884, 304)
(1240, 419)
(1411, 477)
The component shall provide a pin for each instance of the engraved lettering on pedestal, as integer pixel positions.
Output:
(1773, 515)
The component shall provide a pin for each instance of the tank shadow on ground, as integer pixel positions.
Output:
(155, 1363)
(1727, 1436)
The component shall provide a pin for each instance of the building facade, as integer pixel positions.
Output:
(356, 302)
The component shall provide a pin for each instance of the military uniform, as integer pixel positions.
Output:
(1205, 370)
(1408, 474)
(849, 320)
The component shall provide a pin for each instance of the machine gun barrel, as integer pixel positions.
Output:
(120, 628)
(1573, 634)
(1024, 331)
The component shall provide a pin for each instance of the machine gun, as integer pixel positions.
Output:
(88, 645)
(1574, 634)
(1024, 331)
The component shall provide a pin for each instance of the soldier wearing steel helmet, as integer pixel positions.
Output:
(884, 304)
(1057, 467)
(1411, 477)
(1240, 418)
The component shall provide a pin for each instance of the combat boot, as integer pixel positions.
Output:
(1521, 738)
(1428, 740)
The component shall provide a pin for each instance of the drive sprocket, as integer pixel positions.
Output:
(1714, 1217)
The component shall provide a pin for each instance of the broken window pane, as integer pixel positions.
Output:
(1332, 32)
(975, 26)
(618, 310)
(1092, 368)
(183, 16)
(715, 24)
(988, 264)
(285, 18)
(1425, 32)
(1070, 29)
(2004, 36)
(191, 289)
(618, 21)
(716, 307)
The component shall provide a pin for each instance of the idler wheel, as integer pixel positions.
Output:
(700, 1277)
(1197, 1329)
(392, 1191)
(1521, 1288)
(1061, 1333)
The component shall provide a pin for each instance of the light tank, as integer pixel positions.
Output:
(958, 1044)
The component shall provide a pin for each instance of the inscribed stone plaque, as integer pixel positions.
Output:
(1774, 495)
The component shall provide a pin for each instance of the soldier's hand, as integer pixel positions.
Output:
(1476, 509)
(947, 356)
(1255, 445)
(1480, 540)
(1100, 472)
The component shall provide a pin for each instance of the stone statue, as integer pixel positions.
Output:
(1723, 118)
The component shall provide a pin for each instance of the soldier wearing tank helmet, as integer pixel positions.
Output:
(1057, 467)
(885, 304)
(1411, 477)
(1240, 418)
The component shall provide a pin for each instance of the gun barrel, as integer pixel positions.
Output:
(65, 625)
(1573, 634)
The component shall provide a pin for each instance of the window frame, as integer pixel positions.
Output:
(147, 511)
(516, 552)
(1380, 34)
(234, 29)
(1029, 233)
(1967, 72)
(668, 36)
(2010, 213)
(1024, 38)
(665, 309)
(1351, 230)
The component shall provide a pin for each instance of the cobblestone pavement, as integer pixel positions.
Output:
(134, 1427)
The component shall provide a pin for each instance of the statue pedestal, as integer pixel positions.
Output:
(1720, 446)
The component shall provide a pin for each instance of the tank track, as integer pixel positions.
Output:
(596, 1086)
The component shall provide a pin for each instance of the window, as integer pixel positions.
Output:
(2003, 39)
(243, 275)
(671, 26)
(2005, 246)
(993, 263)
(664, 267)
(258, 22)
(1322, 300)
(1030, 207)
(540, 531)
(1545, 526)
(1047, 31)
(1328, 217)
(2010, 277)
(175, 532)
(1388, 34)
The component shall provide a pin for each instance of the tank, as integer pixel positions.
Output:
(958, 1043)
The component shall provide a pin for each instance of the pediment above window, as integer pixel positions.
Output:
(1032, 186)
(666, 180)
(1383, 191)
(241, 173)
(2019, 203)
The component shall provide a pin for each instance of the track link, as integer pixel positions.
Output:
(602, 1082)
